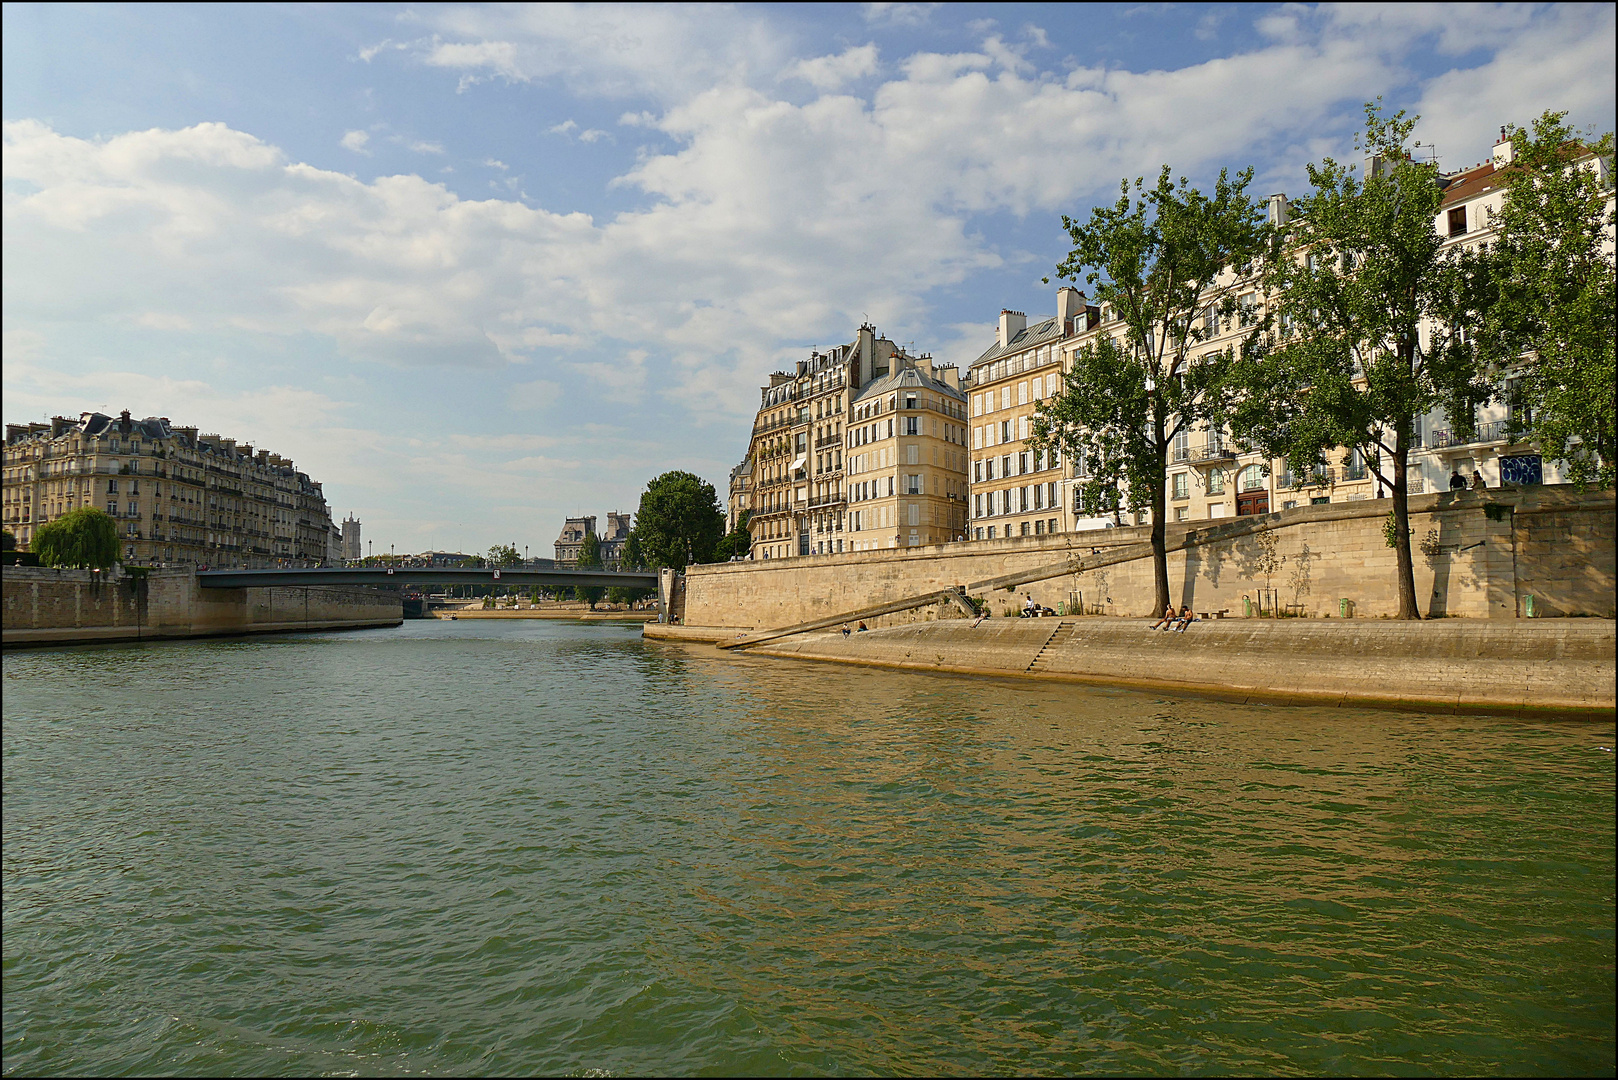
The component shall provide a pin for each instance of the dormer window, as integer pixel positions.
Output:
(1457, 221)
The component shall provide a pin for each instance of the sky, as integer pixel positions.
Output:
(478, 269)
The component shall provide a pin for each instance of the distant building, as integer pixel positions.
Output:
(571, 539)
(353, 550)
(176, 495)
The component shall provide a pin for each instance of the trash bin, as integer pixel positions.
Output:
(1247, 607)
(1342, 607)
(1528, 606)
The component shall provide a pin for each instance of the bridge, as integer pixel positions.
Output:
(421, 575)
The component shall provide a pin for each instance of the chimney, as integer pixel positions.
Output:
(229, 446)
(1502, 150)
(1280, 210)
(1012, 323)
(59, 424)
(1069, 303)
(188, 433)
(125, 425)
(949, 375)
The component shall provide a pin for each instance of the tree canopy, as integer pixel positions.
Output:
(1346, 363)
(503, 555)
(736, 542)
(590, 559)
(1162, 262)
(85, 537)
(679, 521)
(1552, 270)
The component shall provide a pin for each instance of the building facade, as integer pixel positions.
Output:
(908, 458)
(571, 539)
(795, 478)
(177, 496)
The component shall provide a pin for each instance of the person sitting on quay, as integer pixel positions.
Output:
(1457, 482)
(1167, 620)
(1478, 483)
(1030, 609)
(1187, 617)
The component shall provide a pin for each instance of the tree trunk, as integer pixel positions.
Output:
(1401, 523)
(1160, 557)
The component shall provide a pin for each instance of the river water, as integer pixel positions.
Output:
(515, 847)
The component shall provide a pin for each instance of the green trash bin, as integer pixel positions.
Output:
(1528, 606)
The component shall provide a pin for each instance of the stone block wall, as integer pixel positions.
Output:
(1478, 555)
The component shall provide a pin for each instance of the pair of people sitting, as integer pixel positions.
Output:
(1171, 621)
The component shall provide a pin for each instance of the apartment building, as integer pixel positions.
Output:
(1015, 489)
(177, 496)
(908, 458)
(799, 495)
(739, 501)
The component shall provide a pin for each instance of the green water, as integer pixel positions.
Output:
(504, 847)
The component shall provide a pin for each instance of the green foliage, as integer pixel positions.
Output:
(679, 521)
(86, 537)
(1344, 364)
(590, 559)
(630, 557)
(736, 542)
(1159, 260)
(504, 555)
(1555, 286)
(1390, 530)
(8, 542)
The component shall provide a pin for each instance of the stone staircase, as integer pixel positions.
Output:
(1059, 636)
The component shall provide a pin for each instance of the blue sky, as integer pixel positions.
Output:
(480, 268)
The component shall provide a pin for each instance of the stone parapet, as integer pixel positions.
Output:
(1479, 555)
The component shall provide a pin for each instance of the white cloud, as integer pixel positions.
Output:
(355, 141)
(894, 14)
(835, 72)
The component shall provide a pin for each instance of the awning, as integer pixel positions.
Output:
(797, 462)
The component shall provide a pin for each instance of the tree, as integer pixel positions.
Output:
(589, 559)
(1361, 272)
(630, 558)
(1552, 269)
(679, 521)
(504, 555)
(8, 542)
(1160, 261)
(736, 542)
(85, 537)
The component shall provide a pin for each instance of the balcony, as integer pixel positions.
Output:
(1495, 431)
(1214, 451)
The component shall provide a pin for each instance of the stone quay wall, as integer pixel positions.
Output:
(56, 607)
(1525, 668)
(1478, 555)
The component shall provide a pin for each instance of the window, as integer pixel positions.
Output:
(1182, 445)
(112, 486)
(1251, 478)
(1022, 392)
(1457, 221)
(1216, 481)
(1005, 397)
(1005, 431)
(912, 424)
(1181, 513)
(1181, 486)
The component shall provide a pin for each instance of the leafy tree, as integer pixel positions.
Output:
(679, 521)
(8, 542)
(1162, 261)
(504, 555)
(736, 542)
(1362, 269)
(85, 537)
(1555, 294)
(590, 559)
(630, 557)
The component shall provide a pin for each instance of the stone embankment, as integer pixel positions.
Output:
(78, 607)
(1543, 667)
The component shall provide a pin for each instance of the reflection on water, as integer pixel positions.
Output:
(507, 847)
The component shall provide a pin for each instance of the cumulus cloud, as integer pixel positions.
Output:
(355, 141)
(835, 72)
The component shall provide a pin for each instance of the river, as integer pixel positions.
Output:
(541, 847)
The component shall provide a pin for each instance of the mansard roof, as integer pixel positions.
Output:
(1037, 334)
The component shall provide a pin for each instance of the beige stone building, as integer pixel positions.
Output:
(908, 458)
(799, 498)
(176, 495)
(1015, 489)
